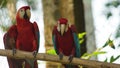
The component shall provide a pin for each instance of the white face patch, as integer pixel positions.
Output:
(66, 27)
(58, 26)
(21, 13)
(28, 13)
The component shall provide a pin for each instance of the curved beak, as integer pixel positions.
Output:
(62, 29)
(26, 16)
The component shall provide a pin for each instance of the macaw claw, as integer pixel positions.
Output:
(60, 56)
(70, 58)
(14, 51)
(34, 54)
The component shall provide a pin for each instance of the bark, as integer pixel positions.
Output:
(54, 58)
(51, 14)
(89, 28)
(80, 21)
(49, 9)
(66, 10)
(11, 6)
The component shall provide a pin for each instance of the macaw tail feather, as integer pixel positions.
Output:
(31, 64)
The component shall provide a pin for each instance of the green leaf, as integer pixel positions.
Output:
(116, 3)
(3, 3)
(81, 35)
(108, 4)
(113, 3)
(117, 57)
(106, 60)
(97, 53)
(81, 41)
(112, 59)
(109, 14)
(88, 56)
(51, 51)
(110, 43)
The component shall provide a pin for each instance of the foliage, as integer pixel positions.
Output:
(51, 51)
(114, 3)
(81, 37)
(3, 3)
(111, 4)
(98, 52)
(95, 53)
(110, 43)
(112, 59)
(4, 27)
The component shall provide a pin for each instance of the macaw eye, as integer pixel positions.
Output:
(21, 13)
(21, 10)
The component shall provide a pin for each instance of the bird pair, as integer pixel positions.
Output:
(24, 35)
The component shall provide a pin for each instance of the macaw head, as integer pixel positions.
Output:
(23, 13)
(62, 25)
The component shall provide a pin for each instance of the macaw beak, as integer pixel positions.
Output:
(62, 29)
(27, 14)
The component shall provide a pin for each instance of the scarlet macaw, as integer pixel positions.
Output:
(24, 35)
(65, 41)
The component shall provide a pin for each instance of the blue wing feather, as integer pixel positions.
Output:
(77, 45)
(54, 43)
(37, 34)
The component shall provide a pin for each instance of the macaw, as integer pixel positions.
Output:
(24, 37)
(65, 41)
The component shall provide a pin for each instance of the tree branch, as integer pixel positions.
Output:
(55, 58)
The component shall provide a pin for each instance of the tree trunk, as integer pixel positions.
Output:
(66, 10)
(11, 6)
(51, 15)
(80, 21)
(49, 20)
(89, 28)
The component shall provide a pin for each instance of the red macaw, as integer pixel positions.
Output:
(65, 41)
(24, 37)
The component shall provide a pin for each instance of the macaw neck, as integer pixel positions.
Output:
(22, 22)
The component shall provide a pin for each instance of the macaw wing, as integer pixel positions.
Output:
(77, 45)
(54, 41)
(10, 38)
(9, 43)
(76, 40)
(37, 34)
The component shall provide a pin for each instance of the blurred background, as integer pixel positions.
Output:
(97, 23)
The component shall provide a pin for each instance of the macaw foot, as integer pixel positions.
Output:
(60, 56)
(70, 58)
(34, 54)
(13, 51)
